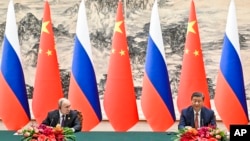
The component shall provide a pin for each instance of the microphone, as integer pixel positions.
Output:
(202, 122)
(51, 121)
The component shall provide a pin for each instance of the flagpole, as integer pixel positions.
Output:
(125, 10)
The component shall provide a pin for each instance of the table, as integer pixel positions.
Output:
(104, 136)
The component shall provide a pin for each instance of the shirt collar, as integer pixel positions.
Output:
(60, 113)
(198, 112)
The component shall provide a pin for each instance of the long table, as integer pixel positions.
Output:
(104, 136)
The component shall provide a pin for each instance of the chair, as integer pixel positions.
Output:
(79, 114)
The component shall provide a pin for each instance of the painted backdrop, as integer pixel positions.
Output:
(174, 14)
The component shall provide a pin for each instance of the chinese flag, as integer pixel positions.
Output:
(193, 76)
(47, 87)
(119, 96)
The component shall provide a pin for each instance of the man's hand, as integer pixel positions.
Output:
(188, 127)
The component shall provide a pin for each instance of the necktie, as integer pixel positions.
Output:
(196, 124)
(63, 120)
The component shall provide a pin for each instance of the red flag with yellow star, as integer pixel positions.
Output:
(193, 76)
(119, 96)
(47, 87)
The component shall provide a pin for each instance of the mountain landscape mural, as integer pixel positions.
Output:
(174, 14)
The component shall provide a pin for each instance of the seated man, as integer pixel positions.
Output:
(196, 115)
(64, 116)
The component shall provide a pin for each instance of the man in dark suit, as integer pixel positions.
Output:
(196, 115)
(64, 116)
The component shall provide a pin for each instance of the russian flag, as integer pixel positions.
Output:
(14, 108)
(230, 97)
(156, 99)
(83, 92)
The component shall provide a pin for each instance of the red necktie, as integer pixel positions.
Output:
(196, 124)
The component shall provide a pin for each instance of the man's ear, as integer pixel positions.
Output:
(60, 104)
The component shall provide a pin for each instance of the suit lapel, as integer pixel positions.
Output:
(57, 117)
(203, 117)
(66, 121)
(191, 116)
(68, 118)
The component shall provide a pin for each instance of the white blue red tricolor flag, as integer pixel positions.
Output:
(156, 100)
(14, 107)
(83, 92)
(230, 97)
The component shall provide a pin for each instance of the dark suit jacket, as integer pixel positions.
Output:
(71, 120)
(207, 117)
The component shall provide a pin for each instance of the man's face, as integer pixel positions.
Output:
(197, 103)
(65, 107)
